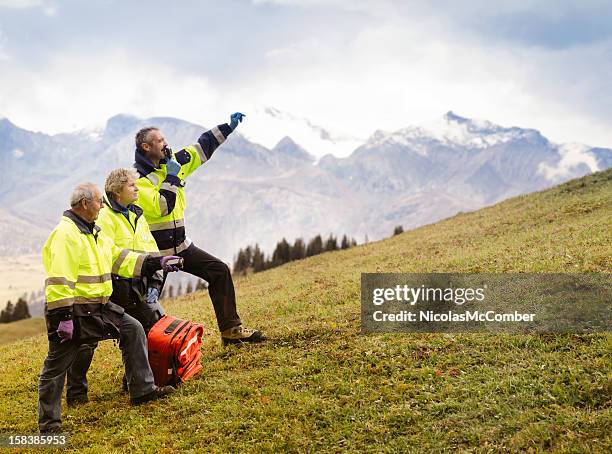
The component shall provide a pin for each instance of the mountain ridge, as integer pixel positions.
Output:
(248, 193)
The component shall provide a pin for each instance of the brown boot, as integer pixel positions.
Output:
(239, 335)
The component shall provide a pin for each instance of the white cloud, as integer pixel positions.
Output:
(572, 156)
(47, 9)
(50, 11)
(76, 91)
(19, 4)
(394, 75)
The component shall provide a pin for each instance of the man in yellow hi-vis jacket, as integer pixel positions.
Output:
(78, 264)
(161, 196)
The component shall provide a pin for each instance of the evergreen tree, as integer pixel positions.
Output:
(6, 315)
(298, 250)
(398, 229)
(248, 257)
(240, 264)
(353, 242)
(21, 310)
(345, 244)
(281, 254)
(170, 291)
(189, 288)
(315, 246)
(179, 289)
(331, 244)
(259, 260)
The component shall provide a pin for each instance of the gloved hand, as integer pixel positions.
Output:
(172, 167)
(235, 119)
(167, 267)
(152, 295)
(65, 330)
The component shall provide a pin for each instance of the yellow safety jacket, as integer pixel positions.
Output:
(128, 231)
(131, 232)
(162, 196)
(78, 263)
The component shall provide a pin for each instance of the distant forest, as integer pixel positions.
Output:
(252, 258)
(12, 313)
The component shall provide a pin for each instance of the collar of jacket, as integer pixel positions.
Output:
(143, 165)
(117, 207)
(84, 226)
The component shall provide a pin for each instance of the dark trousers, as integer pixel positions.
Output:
(62, 356)
(76, 383)
(220, 284)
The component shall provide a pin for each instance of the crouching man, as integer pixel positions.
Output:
(78, 264)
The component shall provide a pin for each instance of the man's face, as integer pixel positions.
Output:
(129, 193)
(154, 147)
(91, 208)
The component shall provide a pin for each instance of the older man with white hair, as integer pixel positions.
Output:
(78, 264)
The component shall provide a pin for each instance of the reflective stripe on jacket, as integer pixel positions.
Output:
(162, 196)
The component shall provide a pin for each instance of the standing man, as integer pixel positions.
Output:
(161, 196)
(78, 264)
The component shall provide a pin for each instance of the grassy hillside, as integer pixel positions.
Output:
(318, 385)
(10, 332)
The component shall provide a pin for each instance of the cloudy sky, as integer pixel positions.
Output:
(349, 66)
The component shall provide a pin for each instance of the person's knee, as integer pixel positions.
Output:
(218, 266)
(225, 269)
(87, 349)
(131, 329)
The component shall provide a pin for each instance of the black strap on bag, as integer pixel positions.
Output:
(172, 326)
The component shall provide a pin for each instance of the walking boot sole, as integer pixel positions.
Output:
(255, 338)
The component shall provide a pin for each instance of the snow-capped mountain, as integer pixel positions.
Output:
(249, 193)
(269, 125)
(454, 131)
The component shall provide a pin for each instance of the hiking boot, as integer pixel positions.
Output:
(52, 430)
(157, 393)
(77, 400)
(239, 335)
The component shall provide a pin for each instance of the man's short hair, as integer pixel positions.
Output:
(117, 179)
(142, 136)
(84, 191)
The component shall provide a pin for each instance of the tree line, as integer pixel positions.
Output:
(252, 258)
(18, 311)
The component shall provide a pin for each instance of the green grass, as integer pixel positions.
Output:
(319, 386)
(11, 332)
